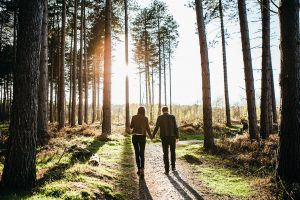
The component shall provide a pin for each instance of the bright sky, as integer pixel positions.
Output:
(186, 66)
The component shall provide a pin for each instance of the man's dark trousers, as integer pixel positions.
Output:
(167, 142)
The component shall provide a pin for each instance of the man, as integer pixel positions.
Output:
(169, 137)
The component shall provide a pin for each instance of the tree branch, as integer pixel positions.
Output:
(274, 4)
(259, 1)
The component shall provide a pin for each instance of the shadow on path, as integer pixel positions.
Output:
(181, 186)
(144, 192)
(128, 183)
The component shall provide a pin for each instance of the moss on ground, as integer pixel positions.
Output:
(63, 175)
(213, 173)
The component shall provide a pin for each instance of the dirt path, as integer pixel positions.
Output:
(176, 185)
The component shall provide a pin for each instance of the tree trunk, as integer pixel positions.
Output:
(4, 96)
(140, 79)
(1, 97)
(20, 163)
(170, 75)
(51, 92)
(98, 95)
(206, 96)
(266, 97)
(61, 98)
(250, 91)
(57, 70)
(274, 109)
(70, 78)
(73, 117)
(147, 73)
(127, 117)
(289, 147)
(159, 66)
(80, 67)
(227, 104)
(165, 75)
(152, 89)
(42, 123)
(86, 69)
(106, 125)
(94, 93)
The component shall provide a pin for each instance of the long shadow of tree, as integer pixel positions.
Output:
(57, 172)
(131, 186)
(128, 181)
(183, 187)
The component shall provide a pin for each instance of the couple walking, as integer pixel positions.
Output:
(168, 134)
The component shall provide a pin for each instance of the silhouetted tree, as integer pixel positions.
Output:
(20, 162)
(42, 126)
(206, 93)
(250, 91)
(106, 125)
(289, 147)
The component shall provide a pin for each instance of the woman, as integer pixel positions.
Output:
(140, 125)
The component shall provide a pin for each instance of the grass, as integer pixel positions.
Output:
(184, 136)
(214, 174)
(4, 126)
(63, 175)
(223, 181)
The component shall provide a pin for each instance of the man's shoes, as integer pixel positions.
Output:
(167, 172)
(173, 169)
(138, 172)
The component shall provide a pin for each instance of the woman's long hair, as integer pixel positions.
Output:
(141, 111)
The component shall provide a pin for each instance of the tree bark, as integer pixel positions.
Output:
(98, 94)
(165, 75)
(80, 68)
(94, 93)
(159, 65)
(70, 78)
(289, 147)
(140, 80)
(20, 163)
(226, 93)
(42, 123)
(250, 91)
(266, 97)
(106, 125)
(170, 75)
(73, 116)
(127, 117)
(274, 108)
(86, 70)
(51, 92)
(152, 90)
(206, 96)
(61, 98)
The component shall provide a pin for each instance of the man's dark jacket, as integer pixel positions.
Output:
(167, 125)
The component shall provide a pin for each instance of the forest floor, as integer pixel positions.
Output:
(64, 172)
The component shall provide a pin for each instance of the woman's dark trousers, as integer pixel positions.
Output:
(139, 142)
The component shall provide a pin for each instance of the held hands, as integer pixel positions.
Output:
(177, 140)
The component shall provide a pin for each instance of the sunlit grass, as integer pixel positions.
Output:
(185, 136)
(4, 126)
(63, 176)
(213, 173)
(223, 181)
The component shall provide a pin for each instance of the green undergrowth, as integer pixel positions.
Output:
(62, 173)
(4, 126)
(214, 173)
(185, 136)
